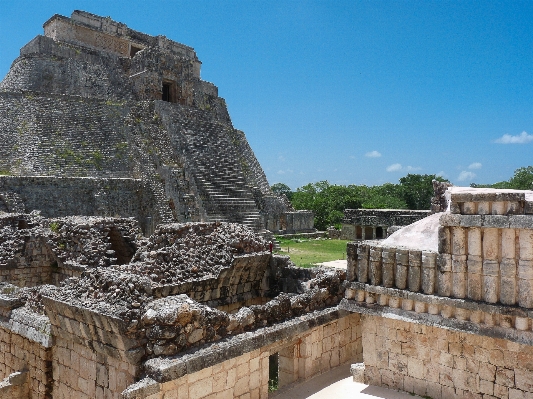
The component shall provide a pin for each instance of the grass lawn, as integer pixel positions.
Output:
(307, 252)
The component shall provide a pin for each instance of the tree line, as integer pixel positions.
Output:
(414, 191)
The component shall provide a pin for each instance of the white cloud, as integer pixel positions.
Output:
(441, 174)
(352, 157)
(475, 165)
(521, 138)
(394, 167)
(281, 172)
(373, 154)
(466, 175)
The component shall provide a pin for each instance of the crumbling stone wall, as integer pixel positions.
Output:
(240, 366)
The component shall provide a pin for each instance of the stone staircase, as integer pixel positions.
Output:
(207, 150)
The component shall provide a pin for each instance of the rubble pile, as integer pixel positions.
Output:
(15, 230)
(183, 252)
(86, 241)
(174, 253)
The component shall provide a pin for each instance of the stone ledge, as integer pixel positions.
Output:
(167, 369)
(491, 221)
(495, 321)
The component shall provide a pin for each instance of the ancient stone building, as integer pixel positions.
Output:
(92, 308)
(99, 119)
(371, 224)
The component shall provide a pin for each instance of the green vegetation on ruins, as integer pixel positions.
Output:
(306, 252)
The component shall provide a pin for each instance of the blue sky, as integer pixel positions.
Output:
(353, 92)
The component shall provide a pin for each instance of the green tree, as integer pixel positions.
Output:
(327, 201)
(418, 190)
(281, 188)
(386, 196)
(522, 179)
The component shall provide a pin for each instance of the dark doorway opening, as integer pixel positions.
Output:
(273, 372)
(379, 232)
(123, 250)
(167, 92)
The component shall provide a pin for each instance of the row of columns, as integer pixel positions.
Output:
(374, 232)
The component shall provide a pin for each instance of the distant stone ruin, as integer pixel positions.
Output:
(97, 119)
(371, 224)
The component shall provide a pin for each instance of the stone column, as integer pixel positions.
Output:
(385, 233)
(458, 262)
(444, 262)
(388, 257)
(375, 265)
(363, 232)
(429, 261)
(508, 283)
(402, 265)
(363, 252)
(491, 266)
(483, 208)
(414, 275)
(351, 261)
(525, 269)
(373, 232)
(474, 263)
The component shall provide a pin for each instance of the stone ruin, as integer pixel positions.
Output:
(371, 224)
(109, 133)
(91, 308)
(447, 302)
(98, 119)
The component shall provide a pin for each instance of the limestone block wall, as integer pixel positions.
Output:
(47, 66)
(57, 197)
(487, 258)
(394, 267)
(59, 135)
(441, 363)
(15, 386)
